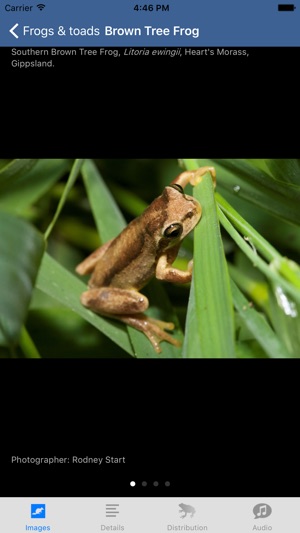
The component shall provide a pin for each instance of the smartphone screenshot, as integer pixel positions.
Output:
(150, 267)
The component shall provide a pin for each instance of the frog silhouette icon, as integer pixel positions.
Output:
(186, 509)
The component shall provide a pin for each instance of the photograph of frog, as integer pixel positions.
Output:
(150, 258)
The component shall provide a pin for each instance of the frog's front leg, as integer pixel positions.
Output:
(166, 272)
(194, 176)
(128, 307)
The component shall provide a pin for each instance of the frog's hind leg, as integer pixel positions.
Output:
(153, 329)
(110, 302)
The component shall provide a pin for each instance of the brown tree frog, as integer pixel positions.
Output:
(147, 247)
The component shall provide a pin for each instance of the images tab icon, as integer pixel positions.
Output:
(38, 510)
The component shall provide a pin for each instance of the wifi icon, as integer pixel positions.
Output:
(41, 6)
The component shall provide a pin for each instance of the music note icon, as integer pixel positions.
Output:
(262, 510)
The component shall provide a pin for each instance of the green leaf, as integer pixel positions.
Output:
(21, 250)
(243, 180)
(13, 171)
(16, 196)
(213, 301)
(264, 183)
(4, 162)
(285, 170)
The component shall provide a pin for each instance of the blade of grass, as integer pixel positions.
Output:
(192, 347)
(270, 271)
(27, 345)
(289, 269)
(256, 290)
(213, 301)
(71, 180)
(285, 318)
(108, 217)
(258, 325)
(282, 312)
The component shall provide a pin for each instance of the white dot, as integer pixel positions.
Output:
(132, 483)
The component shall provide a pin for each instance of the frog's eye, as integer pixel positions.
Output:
(177, 187)
(173, 231)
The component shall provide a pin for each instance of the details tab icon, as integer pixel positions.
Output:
(111, 510)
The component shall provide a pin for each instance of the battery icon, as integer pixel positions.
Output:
(286, 7)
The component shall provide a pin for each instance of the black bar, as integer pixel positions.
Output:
(286, 7)
(158, 109)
